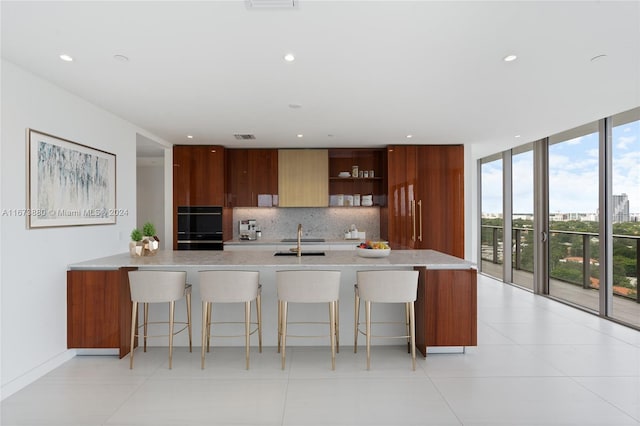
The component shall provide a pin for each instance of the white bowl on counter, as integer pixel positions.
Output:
(372, 252)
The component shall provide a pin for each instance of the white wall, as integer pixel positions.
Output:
(34, 262)
(150, 199)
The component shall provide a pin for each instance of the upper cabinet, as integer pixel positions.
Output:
(198, 175)
(371, 162)
(249, 173)
(303, 177)
(425, 185)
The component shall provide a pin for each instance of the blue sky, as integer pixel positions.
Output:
(573, 174)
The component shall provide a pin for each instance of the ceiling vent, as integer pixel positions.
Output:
(244, 137)
(271, 4)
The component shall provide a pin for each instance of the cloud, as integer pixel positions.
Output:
(575, 141)
(623, 142)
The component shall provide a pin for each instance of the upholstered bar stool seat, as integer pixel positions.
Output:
(308, 286)
(158, 287)
(230, 287)
(386, 287)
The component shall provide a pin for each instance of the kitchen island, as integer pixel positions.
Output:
(98, 304)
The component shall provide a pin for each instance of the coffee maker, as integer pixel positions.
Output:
(247, 229)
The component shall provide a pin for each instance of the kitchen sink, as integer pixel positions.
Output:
(302, 240)
(304, 253)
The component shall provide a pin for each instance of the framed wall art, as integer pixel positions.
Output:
(69, 184)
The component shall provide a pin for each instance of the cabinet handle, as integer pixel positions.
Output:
(413, 219)
(420, 218)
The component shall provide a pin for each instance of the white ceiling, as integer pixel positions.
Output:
(367, 73)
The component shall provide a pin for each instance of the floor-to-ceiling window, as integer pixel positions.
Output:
(573, 216)
(625, 211)
(492, 231)
(590, 185)
(522, 215)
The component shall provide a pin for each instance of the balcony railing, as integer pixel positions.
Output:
(493, 251)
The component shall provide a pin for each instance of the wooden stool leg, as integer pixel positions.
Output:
(259, 320)
(279, 325)
(407, 321)
(209, 315)
(188, 299)
(283, 332)
(412, 321)
(172, 306)
(337, 324)
(205, 308)
(332, 332)
(356, 323)
(247, 330)
(134, 322)
(367, 314)
(146, 321)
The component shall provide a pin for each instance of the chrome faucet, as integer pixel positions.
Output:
(299, 248)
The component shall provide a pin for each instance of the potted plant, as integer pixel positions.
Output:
(150, 240)
(135, 246)
(145, 242)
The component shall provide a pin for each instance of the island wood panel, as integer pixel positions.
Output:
(441, 190)
(99, 309)
(446, 308)
(198, 178)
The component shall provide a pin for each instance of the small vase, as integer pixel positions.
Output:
(135, 248)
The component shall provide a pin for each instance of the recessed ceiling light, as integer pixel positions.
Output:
(289, 57)
(409, 136)
(517, 136)
(510, 58)
(300, 135)
(66, 57)
(190, 136)
(120, 58)
(271, 4)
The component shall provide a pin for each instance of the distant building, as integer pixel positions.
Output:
(620, 208)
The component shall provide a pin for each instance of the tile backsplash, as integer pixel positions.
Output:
(329, 223)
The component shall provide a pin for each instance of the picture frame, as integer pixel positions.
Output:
(70, 184)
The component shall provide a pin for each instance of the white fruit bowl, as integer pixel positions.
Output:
(372, 252)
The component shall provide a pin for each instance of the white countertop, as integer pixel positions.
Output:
(229, 259)
(266, 241)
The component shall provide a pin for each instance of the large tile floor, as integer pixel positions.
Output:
(538, 362)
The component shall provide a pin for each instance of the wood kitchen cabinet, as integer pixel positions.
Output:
(303, 177)
(446, 308)
(425, 185)
(99, 309)
(343, 159)
(198, 178)
(250, 172)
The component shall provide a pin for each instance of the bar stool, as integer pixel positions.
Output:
(386, 286)
(230, 287)
(158, 287)
(308, 286)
